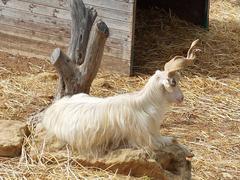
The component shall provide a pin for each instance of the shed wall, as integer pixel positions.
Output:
(35, 27)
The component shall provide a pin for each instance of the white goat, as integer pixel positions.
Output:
(96, 125)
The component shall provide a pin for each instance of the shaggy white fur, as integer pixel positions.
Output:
(95, 125)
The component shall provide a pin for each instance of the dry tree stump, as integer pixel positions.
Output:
(77, 69)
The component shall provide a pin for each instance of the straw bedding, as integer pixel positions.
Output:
(208, 122)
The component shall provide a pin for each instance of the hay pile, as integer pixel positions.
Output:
(208, 121)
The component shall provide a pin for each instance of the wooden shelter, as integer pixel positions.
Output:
(36, 27)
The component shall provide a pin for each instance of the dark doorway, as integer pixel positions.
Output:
(164, 29)
(195, 11)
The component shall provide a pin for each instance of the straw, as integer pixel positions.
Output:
(208, 121)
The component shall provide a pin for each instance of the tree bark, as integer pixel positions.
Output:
(79, 67)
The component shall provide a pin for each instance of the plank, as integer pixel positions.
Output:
(119, 53)
(65, 13)
(53, 21)
(33, 35)
(134, 13)
(45, 48)
(59, 32)
(38, 9)
(123, 5)
(112, 4)
(115, 64)
(26, 47)
(25, 16)
(35, 27)
(59, 40)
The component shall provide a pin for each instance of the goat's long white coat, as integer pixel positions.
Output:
(94, 125)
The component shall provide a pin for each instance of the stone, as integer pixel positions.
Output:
(171, 162)
(12, 135)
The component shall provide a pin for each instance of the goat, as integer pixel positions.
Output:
(96, 125)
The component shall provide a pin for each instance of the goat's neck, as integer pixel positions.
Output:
(152, 97)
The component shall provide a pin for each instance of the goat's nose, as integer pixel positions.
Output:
(180, 99)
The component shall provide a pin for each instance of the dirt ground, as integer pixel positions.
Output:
(208, 121)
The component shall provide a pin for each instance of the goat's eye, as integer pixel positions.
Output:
(172, 82)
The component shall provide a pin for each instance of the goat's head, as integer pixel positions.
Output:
(169, 78)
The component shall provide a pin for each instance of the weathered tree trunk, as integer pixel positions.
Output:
(79, 67)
